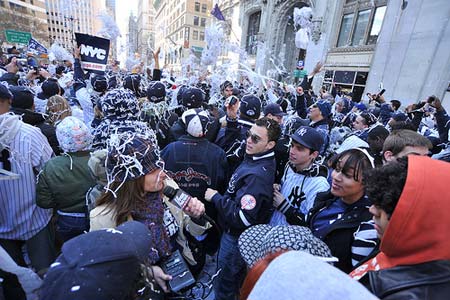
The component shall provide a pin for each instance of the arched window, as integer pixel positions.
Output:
(252, 32)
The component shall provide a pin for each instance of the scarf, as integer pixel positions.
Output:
(153, 217)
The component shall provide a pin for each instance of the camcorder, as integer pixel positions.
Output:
(27, 64)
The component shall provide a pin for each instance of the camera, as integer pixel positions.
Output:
(21, 62)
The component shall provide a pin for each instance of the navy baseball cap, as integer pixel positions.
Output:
(5, 93)
(102, 264)
(274, 109)
(308, 137)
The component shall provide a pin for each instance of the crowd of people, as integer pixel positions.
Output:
(292, 194)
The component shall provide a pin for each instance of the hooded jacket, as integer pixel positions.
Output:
(415, 248)
(38, 120)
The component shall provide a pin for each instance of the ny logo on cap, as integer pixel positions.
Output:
(302, 131)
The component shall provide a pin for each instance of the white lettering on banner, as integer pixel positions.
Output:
(93, 66)
(93, 52)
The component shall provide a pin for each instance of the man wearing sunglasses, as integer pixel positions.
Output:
(247, 202)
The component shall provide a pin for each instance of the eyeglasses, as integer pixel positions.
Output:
(255, 138)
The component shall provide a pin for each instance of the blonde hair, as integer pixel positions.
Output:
(57, 109)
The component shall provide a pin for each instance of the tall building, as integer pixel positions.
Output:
(67, 17)
(230, 10)
(132, 36)
(145, 30)
(111, 10)
(180, 29)
(28, 16)
(400, 45)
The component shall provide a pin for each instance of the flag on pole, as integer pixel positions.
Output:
(35, 47)
(217, 13)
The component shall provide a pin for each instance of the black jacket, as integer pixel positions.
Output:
(340, 234)
(425, 281)
(196, 164)
(37, 119)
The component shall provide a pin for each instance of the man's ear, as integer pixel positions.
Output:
(388, 156)
(270, 145)
(314, 155)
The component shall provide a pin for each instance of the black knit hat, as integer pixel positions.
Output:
(133, 82)
(22, 97)
(193, 97)
(99, 83)
(250, 106)
(50, 88)
(156, 91)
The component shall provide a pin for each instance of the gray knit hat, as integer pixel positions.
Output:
(258, 241)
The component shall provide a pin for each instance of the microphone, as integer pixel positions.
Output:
(180, 199)
(177, 196)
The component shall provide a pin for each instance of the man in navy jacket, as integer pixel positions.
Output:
(247, 202)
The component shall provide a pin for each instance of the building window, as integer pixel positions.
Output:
(361, 23)
(348, 81)
(203, 22)
(183, 6)
(197, 6)
(203, 8)
(196, 20)
(252, 32)
(195, 35)
(346, 27)
(376, 25)
(360, 28)
(202, 35)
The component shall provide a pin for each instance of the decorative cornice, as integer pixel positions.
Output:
(364, 48)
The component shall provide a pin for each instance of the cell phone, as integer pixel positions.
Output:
(232, 100)
(381, 92)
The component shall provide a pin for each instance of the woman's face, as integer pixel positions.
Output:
(344, 185)
(154, 181)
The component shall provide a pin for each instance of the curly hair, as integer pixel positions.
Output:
(384, 185)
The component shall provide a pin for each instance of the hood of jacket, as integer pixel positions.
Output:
(418, 229)
(28, 116)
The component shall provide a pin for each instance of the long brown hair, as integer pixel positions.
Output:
(130, 197)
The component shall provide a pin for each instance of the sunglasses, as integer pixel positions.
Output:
(255, 138)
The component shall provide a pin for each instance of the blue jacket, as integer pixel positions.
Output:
(196, 164)
(248, 199)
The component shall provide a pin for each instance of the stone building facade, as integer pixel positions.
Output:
(366, 45)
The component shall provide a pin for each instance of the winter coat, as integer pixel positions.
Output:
(38, 120)
(414, 257)
(63, 183)
(248, 199)
(342, 236)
